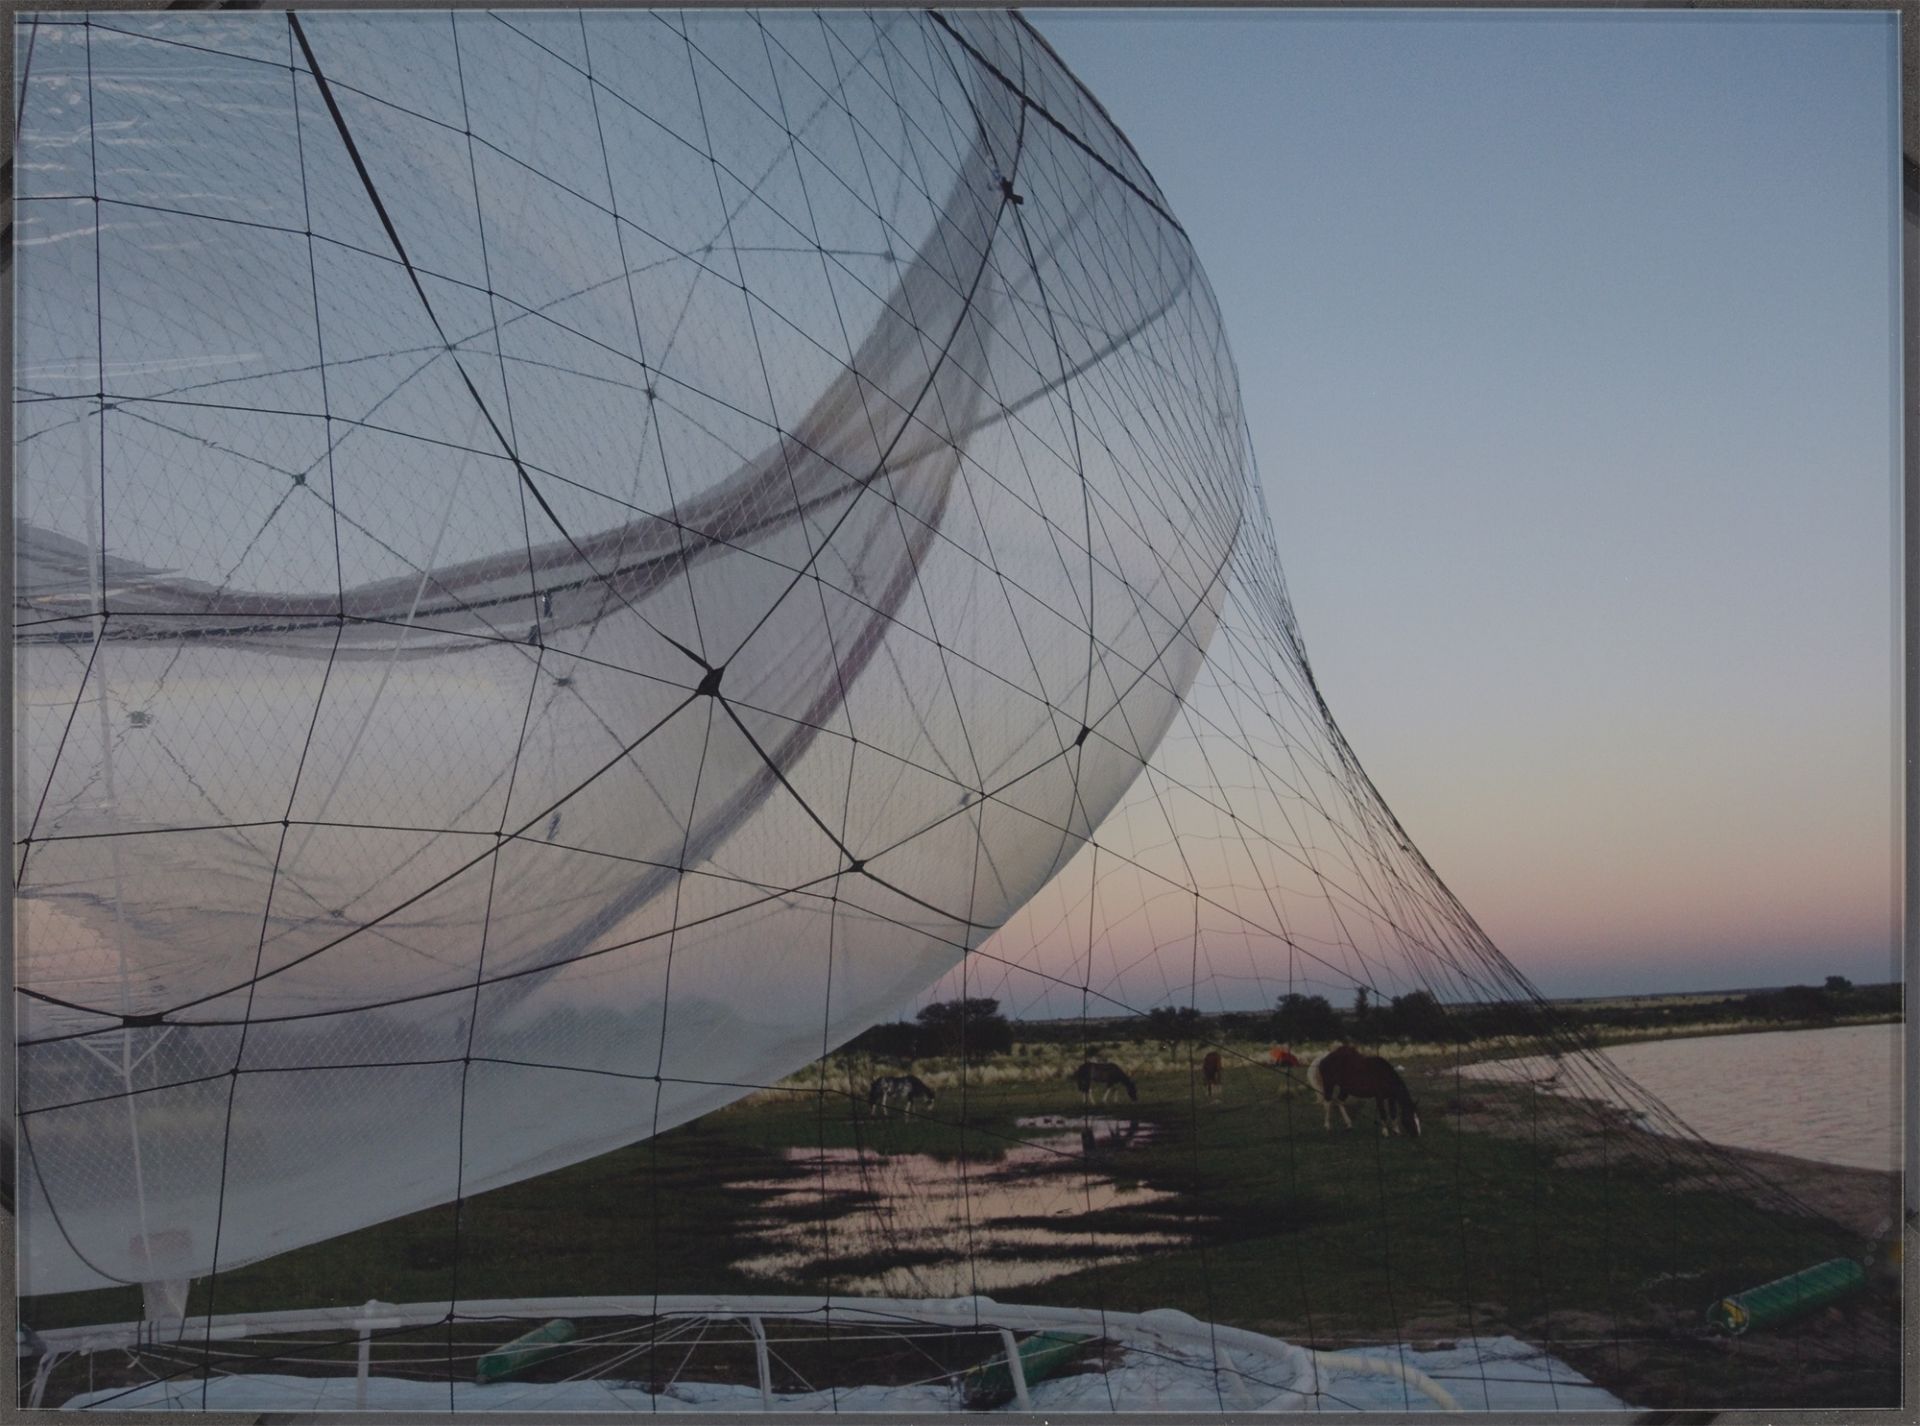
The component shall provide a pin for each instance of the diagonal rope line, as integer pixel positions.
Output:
(506, 444)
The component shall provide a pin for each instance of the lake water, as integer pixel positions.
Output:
(1830, 1095)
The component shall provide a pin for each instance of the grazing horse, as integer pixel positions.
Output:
(910, 1089)
(1344, 1073)
(1283, 1057)
(1110, 1076)
(1210, 1072)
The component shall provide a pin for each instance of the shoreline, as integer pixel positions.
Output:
(1840, 1355)
(1702, 1030)
(1864, 1201)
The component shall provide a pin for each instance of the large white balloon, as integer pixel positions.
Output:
(567, 564)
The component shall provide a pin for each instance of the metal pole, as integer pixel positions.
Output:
(155, 1296)
(1016, 1370)
(366, 1363)
(40, 1376)
(764, 1366)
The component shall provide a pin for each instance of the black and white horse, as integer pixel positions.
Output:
(1343, 1073)
(907, 1088)
(1109, 1076)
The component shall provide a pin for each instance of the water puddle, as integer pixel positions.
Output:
(920, 1225)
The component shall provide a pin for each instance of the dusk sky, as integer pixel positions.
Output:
(1569, 350)
(1568, 346)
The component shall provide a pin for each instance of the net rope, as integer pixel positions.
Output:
(612, 553)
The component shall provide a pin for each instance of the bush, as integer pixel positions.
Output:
(975, 1028)
(1416, 1016)
(1793, 1002)
(897, 1041)
(1306, 1018)
(1172, 1025)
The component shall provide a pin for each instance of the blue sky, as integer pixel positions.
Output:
(1568, 345)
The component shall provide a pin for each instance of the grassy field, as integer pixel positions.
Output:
(1500, 1219)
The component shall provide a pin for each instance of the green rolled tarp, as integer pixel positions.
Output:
(523, 1351)
(1787, 1297)
(991, 1383)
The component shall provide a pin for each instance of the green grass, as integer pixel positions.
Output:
(1320, 1237)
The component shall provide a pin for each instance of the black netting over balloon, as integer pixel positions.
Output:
(569, 565)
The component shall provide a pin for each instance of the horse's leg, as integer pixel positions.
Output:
(1326, 1113)
(1343, 1112)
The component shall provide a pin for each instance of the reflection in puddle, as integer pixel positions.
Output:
(1095, 1134)
(914, 1225)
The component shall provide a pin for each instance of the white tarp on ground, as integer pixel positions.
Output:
(1494, 1373)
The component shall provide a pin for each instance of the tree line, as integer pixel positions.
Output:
(973, 1028)
(976, 1029)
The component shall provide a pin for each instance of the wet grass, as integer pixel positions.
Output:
(1329, 1238)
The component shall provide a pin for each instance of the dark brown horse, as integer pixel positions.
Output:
(1108, 1076)
(1343, 1073)
(1210, 1072)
